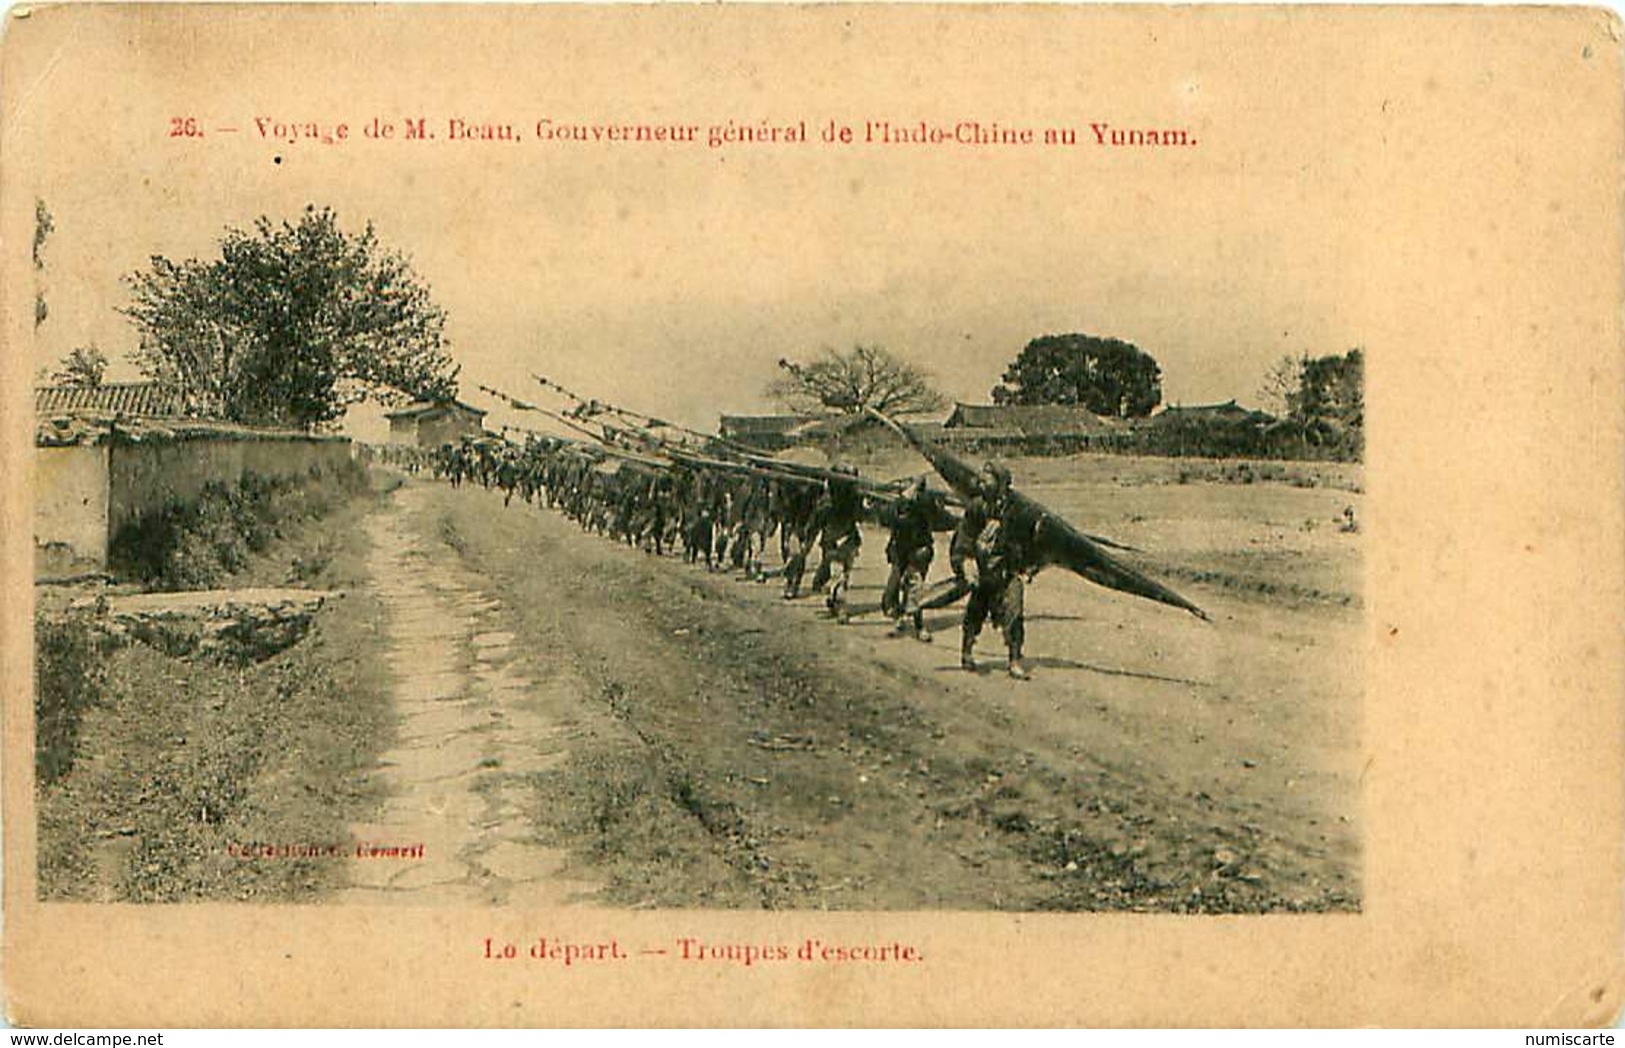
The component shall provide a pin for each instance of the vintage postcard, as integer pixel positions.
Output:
(812, 515)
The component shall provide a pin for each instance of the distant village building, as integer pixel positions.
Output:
(1227, 412)
(1031, 428)
(130, 399)
(1220, 430)
(764, 432)
(835, 434)
(431, 423)
(1212, 430)
(107, 456)
(1045, 429)
(1036, 420)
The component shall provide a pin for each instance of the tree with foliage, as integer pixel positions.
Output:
(1329, 388)
(1321, 400)
(864, 377)
(1333, 389)
(1108, 376)
(290, 324)
(84, 367)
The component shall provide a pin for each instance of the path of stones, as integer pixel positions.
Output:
(469, 735)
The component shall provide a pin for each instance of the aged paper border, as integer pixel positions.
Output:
(1493, 713)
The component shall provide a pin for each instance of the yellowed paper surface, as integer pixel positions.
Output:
(1440, 187)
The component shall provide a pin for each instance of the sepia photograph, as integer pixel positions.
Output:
(723, 467)
(393, 549)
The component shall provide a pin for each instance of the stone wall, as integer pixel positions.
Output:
(149, 475)
(84, 493)
(70, 509)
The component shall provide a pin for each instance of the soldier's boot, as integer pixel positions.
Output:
(967, 660)
(1018, 668)
(920, 632)
(837, 602)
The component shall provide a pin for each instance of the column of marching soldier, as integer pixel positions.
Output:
(727, 515)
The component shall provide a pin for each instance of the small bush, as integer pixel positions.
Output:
(197, 543)
(306, 569)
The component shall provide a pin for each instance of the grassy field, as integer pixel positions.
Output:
(1273, 530)
(178, 760)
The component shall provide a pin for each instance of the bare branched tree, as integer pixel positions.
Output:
(847, 383)
(1282, 382)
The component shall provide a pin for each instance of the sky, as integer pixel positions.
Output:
(672, 278)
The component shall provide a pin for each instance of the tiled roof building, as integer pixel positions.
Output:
(1027, 420)
(136, 399)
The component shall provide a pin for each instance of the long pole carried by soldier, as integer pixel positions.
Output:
(1012, 537)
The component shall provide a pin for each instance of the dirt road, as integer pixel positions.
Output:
(587, 722)
(453, 828)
